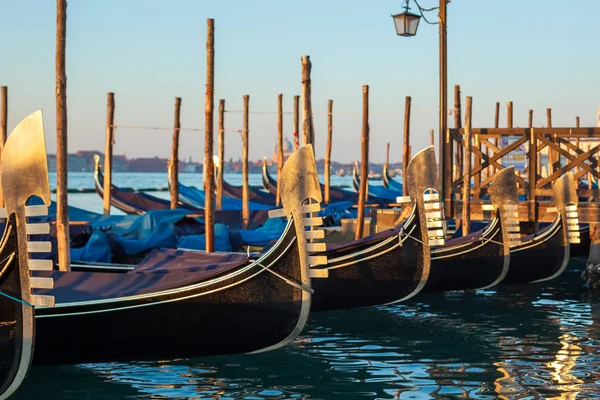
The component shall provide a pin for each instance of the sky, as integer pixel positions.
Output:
(537, 53)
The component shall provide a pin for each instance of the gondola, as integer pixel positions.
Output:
(131, 202)
(24, 175)
(387, 267)
(377, 191)
(335, 194)
(388, 181)
(544, 255)
(139, 203)
(179, 304)
(479, 260)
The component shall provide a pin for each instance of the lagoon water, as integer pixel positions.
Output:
(533, 341)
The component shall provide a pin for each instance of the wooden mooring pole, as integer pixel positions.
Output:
(466, 206)
(209, 176)
(364, 167)
(174, 170)
(3, 124)
(458, 124)
(432, 137)
(62, 185)
(221, 145)
(279, 146)
(406, 146)
(387, 155)
(296, 122)
(108, 151)
(3, 116)
(245, 188)
(327, 167)
(308, 130)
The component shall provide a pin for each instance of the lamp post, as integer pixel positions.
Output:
(406, 24)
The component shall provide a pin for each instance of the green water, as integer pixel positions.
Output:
(516, 342)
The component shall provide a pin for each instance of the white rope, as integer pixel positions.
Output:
(290, 282)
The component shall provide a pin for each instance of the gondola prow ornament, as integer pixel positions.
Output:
(24, 174)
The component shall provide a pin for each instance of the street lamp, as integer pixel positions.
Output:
(406, 22)
(406, 25)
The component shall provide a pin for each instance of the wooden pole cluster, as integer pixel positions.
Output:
(245, 188)
(174, 170)
(108, 151)
(279, 146)
(296, 122)
(466, 206)
(364, 170)
(308, 130)
(62, 213)
(327, 169)
(406, 147)
(209, 177)
(221, 154)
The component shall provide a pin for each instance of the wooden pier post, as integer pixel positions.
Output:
(509, 114)
(458, 124)
(221, 145)
(308, 130)
(296, 122)
(406, 147)
(279, 146)
(553, 160)
(245, 188)
(577, 122)
(364, 167)
(209, 176)
(432, 137)
(496, 125)
(466, 206)
(530, 122)
(174, 170)
(3, 116)
(532, 179)
(327, 167)
(62, 185)
(108, 151)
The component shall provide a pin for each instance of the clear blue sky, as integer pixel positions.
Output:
(537, 53)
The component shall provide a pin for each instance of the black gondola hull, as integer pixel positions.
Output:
(381, 272)
(469, 264)
(539, 259)
(247, 309)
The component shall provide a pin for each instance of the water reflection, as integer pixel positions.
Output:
(526, 341)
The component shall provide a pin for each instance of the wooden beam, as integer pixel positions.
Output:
(221, 146)
(466, 198)
(279, 147)
(406, 146)
(209, 178)
(308, 130)
(327, 171)
(174, 170)
(296, 122)
(364, 168)
(245, 186)
(62, 184)
(108, 152)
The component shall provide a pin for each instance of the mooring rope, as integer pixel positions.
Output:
(15, 299)
(289, 281)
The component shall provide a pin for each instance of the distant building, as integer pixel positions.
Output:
(288, 149)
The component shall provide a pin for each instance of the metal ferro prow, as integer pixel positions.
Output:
(505, 200)
(421, 180)
(301, 198)
(24, 174)
(566, 202)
